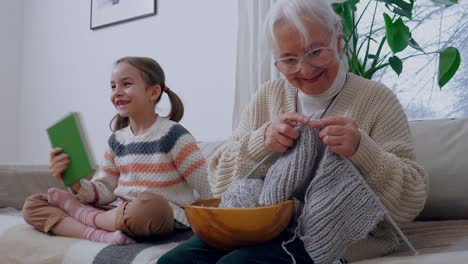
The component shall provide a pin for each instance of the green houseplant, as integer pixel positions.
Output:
(366, 52)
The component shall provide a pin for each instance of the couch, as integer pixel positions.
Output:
(440, 233)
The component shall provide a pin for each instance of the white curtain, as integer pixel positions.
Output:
(254, 60)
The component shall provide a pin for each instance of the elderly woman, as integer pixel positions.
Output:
(361, 120)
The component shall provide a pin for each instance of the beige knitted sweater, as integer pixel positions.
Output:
(385, 154)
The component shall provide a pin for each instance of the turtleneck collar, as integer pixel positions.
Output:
(308, 104)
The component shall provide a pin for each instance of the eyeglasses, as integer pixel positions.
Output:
(316, 57)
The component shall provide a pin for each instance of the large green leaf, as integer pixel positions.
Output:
(346, 10)
(400, 7)
(396, 64)
(449, 61)
(398, 34)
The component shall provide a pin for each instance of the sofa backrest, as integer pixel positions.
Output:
(18, 181)
(442, 149)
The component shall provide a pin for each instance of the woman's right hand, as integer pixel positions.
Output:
(282, 133)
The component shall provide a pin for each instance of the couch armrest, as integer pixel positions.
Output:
(18, 181)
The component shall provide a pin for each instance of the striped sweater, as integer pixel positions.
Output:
(164, 160)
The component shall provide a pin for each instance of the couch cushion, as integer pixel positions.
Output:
(20, 181)
(436, 241)
(442, 149)
(39, 248)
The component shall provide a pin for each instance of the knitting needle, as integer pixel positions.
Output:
(250, 174)
(387, 215)
(402, 235)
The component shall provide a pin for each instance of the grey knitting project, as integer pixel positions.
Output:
(339, 207)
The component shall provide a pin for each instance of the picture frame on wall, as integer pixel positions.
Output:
(105, 13)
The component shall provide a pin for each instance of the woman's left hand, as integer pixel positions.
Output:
(340, 134)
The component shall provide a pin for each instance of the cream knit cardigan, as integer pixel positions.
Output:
(385, 155)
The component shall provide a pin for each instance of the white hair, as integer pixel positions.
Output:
(294, 12)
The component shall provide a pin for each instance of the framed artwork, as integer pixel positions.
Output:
(106, 13)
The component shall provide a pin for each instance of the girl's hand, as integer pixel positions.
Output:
(58, 163)
(75, 187)
(340, 134)
(281, 133)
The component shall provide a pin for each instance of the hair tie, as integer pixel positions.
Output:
(165, 89)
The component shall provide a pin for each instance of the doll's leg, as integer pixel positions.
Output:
(65, 200)
(148, 214)
(70, 227)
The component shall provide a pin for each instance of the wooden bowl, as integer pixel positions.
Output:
(230, 228)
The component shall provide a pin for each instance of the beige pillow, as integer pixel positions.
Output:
(17, 182)
(442, 149)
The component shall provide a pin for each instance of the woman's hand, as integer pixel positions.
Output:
(58, 164)
(281, 133)
(340, 134)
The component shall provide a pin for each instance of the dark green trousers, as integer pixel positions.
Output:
(196, 251)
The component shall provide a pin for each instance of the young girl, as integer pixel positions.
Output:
(151, 169)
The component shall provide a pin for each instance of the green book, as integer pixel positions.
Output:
(68, 134)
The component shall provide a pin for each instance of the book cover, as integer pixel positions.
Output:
(68, 134)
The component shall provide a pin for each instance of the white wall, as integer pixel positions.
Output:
(66, 66)
(11, 24)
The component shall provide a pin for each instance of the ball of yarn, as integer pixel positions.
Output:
(242, 193)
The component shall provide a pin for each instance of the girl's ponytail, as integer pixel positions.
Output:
(177, 107)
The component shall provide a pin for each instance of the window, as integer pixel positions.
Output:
(434, 27)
